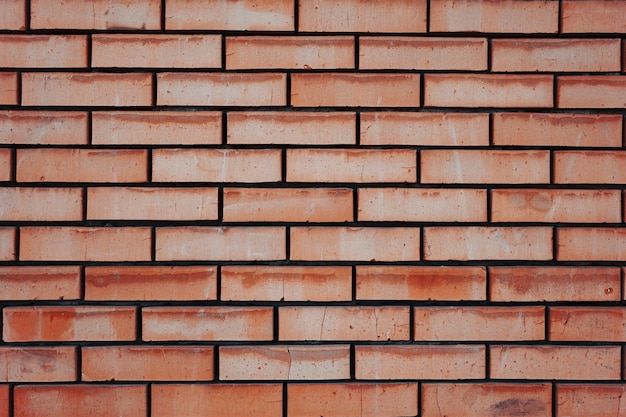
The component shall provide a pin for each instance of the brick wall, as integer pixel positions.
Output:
(310, 208)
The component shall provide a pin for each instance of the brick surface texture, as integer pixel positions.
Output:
(312, 208)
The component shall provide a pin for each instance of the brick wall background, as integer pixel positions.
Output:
(312, 208)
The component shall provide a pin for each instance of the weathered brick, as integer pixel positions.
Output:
(591, 91)
(40, 282)
(43, 51)
(13, 17)
(589, 16)
(591, 244)
(5, 396)
(26, 127)
(586, 324)
(41, 204)
(8, 88)
(37, 364)
(7, 243)
(590, 400)
(589, 167)
(6, 164)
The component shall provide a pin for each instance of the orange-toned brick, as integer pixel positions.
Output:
(13, 17)
(284, 362)
(290, 52)
(4, 400)
(6, 164)
(591, 244)
(555, 362)
(351, 165)
(355, 243)
(43, 51)
(216, 165)
(287, 205)
(355, 90)
(37, 364)
(597, 324)
(26, 127)
(343, 323)
(86, 89)
(420, 362)
(40, 283)
(589, 167)
(147, 363)
(41, 204)
(590, 400)
(72, 323)
(8, 88)
(591, 91)
(147, 283)
(291, 128)
(60, 243)
(208, 323)
(589, 16)
(286, 283)
(352, 399)
(7, 243)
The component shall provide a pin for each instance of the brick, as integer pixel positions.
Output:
(289, 52)
(566, 206)
(496, 166)
(147, 363)
(217, 400)
(355, 243)
(73, 243)
(71, 323)
(220, 243)
(343, 323)
(7, 243)
(95, 14)
(425, 129)
(13, 17)
(488, 90)
(590, 400)
(41, 204)
(216, 165)
(545, 129)
(5, 394)
(587, 16)
(355, 90)
(142, 203)
(589, 167)
(40, 282)
(527, 284)
(286, 283)
(555, 362)
(284, 362)
(598, 324)
(483, 399)
(208, 323)
(591, 244)
(420, 362)
(291, 128)
(287, 205)
(43, 51)
(80, 400)
(478, 242)
(151, 283)
(352, 399)
(6, 164)
(591, 91)
(508, 16)
(420, 283)
(357, 16)
(562, 55)
(26, 127)
(156, 51)
(422, 53)
(8, 88)
(37, 364)
(422, 205)
(351, 165)
(221, 89)
(86, 89)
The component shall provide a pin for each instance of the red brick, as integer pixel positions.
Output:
(352, 399)
(486, 399)
(13, 17)
(571, 284)
(148, 283)
(286, 283)
(351, 165)
(40, 282)
(72, 323)
(43, 51)
(43, 128)
(5, 394)
(430, 53)
(545, 129)
(7, 243)
(589, 167)
(80, 400)
(289, 52)
(219, 400)
(8, 88)
(488, 90)
(509, 16)
(343, 323)
(216, 165)
(467, 166)
(284, 362)
(591, 91)
(597, 324)
(420, 362)
(41, 204)
(287, 205)
(220, 243)
(208, 323)
(355, 90)
(37, 364)
(591, 244)
(147, 363)
(6, 165)
(476, 242)
(555, 362)
(86, 89)
(587, 16)
(590, 400)
(355, 243)
(291, 128)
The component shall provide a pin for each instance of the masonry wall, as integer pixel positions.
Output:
(312, 208)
